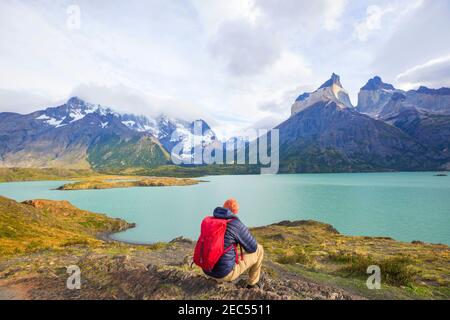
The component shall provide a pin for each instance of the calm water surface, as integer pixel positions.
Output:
(405, 206)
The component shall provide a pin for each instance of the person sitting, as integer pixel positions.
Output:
(216, 250)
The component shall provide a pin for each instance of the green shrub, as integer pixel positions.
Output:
(297, 257)
(75, 241)
(395, 271)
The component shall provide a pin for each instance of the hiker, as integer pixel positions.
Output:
(217, 251)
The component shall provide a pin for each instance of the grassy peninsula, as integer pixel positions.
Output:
(89, 179)
(109, 182)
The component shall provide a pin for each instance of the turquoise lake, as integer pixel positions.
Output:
(404, 206)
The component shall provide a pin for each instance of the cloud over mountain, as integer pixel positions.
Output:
(214, 58)
(433, 73)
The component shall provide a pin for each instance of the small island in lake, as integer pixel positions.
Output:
(109, 182)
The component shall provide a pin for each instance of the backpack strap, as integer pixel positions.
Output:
(235, 245)
(236, 252)
(228, 249)
(242, 254)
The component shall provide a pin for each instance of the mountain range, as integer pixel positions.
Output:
(389, 129)
(79, 134)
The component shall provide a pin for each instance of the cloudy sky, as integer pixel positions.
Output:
(234, 63)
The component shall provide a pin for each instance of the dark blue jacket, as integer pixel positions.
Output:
(237, 233)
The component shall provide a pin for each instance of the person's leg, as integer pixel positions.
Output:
(254, 272)
(250, 261)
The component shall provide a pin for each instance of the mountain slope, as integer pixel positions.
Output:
(328, 138)
(431, 100)
(375, 96)
(64, 136)
(325, 134)
(112, 152)
(79, 134)
(198, 134)
(422, 114)
(431, 130)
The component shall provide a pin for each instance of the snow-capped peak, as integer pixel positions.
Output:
(72, 111)
(169, 131)
(78, 108)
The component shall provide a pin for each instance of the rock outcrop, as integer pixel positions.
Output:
(330, 90)
(374, 95)
(379, 99)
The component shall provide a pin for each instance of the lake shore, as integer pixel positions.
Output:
(304, 260)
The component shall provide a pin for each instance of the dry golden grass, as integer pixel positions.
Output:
(310, 248)
(45, 224)
(319, 247)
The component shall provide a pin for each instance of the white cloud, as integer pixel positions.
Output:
(371, 22)
(252, 35)
(268, 122)
(375, 14)
(302, 14)
(22, 101)
(213, 14)
(417, 37)
(279, 84)
(129, 100)
(333, 14)
(245, 48)
(434, 73)
(233, 63)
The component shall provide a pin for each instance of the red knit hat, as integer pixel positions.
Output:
(232, 205)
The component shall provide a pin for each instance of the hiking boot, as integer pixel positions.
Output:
(241, 283)
(254, 286)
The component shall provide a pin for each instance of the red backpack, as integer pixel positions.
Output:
(210, 245)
